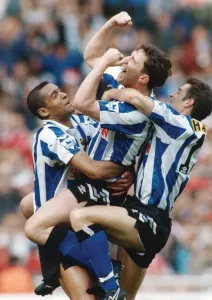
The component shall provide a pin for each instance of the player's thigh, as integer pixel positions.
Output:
(116, 222)
(53, 212)
(75, 281)
(26, 206)
(132, 276)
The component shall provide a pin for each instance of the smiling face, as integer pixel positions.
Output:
(57, 103)
(132, 71)
(178, 100)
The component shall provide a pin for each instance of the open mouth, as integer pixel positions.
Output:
(124, 68)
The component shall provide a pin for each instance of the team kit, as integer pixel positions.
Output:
(85, 163)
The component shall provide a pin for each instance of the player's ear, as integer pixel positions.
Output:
(144, 79)
(43, 112)
(189, 102)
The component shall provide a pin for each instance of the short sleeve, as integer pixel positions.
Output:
(86, 126)
(169, 120)
(121, 117)
(63, 148)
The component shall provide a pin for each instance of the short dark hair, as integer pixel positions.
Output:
(35, 100)
(202, 95)
(157, 66)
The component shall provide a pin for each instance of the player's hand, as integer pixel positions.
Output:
(122, 185)
(123, 95)
(122, 19)
(113, 57)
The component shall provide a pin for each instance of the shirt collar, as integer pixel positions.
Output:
(59, 125)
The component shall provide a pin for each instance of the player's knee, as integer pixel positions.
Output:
(32, 230)
(26, 206)
(77, 219)
(29, 230)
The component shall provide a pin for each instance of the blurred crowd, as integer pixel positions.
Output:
(45, 40)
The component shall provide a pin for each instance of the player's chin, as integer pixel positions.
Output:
(69, 108)
(121, 77)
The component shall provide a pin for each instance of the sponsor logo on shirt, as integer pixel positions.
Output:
(113, 106)
(104, 133)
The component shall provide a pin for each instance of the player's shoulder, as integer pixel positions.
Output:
(110, 76)
(52, 132)
(198, 127)
(118, 107)
(166, 106)
(81, 119)
(44, 135)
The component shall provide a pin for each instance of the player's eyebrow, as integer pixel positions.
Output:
(180, 90)
(133, 56)
(55, 90)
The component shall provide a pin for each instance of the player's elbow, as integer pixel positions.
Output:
(87, 57)
(90, 61)
(77, 103)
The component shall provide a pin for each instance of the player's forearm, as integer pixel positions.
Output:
(85, 98)
(93, 169)
(96, 48)
(142, 103)
(105, 170)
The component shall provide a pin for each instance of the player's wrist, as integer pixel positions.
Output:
(109, 24)
(100, 68)
(104, 63)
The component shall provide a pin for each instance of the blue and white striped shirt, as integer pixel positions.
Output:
(118, 147)
(53, 147)
(163, 171)
(85, 128)
(127, 140)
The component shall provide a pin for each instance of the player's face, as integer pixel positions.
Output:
(58, 103)
(177, 100)
(133, 69)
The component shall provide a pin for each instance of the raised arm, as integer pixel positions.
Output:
(95, 169)
(97, 45)
(142, 103)
(85, 98)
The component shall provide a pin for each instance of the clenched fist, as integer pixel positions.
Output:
(122, 19)
(113, 57)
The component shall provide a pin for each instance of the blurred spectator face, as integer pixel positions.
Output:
(20, 71)
(132, 70)
(10, 28)
(177, 100)
(58, 103)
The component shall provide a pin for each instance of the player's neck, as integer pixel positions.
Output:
(143, 90)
